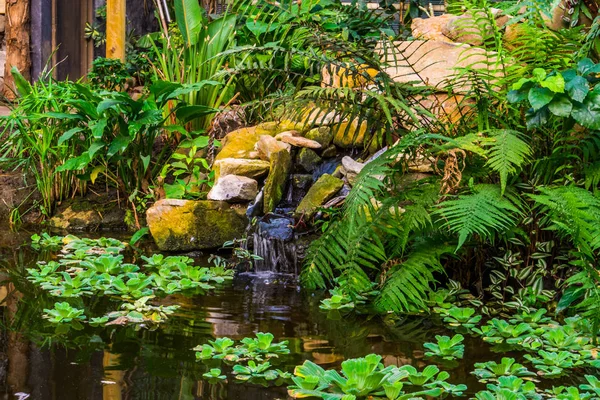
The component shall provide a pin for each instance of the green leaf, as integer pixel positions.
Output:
(145, 161)
(98, 127)
(539, 74)
(190, 20)
(76, 163)
(539, 97)
(587, 113)
(118, 145)
(23, 86)
(555, 83)
(258, 27)
(68, 135)
(578, 88)
(95, 146)
(561, 106)
(188, 113)
(570, 295)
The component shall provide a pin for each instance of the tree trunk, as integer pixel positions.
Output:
(17, 43)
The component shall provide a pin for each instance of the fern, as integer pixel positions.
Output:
(573, 212)
(507, 153)
(483, 212)
(409, 281)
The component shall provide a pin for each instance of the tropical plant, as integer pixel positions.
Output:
(191, 53)
(465, 317)
(214, 375)
(446, 347)
(491, 370)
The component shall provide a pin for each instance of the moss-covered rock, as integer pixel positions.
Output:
(322, 191)
(323, 135)
(242, 167)
(184, 225)
(349, 134)
(281, 162)
(308, 159)
(241, 143)
(85, 214)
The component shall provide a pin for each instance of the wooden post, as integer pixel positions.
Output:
(115, 29)
(17, 43)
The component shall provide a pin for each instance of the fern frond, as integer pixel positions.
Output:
(409, 281)
(483, 212)
(507, 153)
(574, 212)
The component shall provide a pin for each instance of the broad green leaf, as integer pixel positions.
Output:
(98, 127)
(578, 88)
(539, 74)
(76, 163)
(555, 83)
(587, 114)
(118, 145)
(190, 20)
(560, 106)
(539, 97)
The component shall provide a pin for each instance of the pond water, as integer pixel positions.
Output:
(120, 362)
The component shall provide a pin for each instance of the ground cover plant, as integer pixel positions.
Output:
(96, 268)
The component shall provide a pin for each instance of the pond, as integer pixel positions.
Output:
(122, 362)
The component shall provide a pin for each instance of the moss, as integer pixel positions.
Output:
(308, 159)
(183, 225)
(349, 134)
(321, 192)
(323, 135)
(281, 162)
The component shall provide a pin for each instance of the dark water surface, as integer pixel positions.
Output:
(122, 363)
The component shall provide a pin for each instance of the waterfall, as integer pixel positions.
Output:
(275, 242)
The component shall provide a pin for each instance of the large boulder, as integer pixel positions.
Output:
(322, 191)
(473, 29)
(431, 28)
(242, 167)
(185, 225)
(281, 162)
(437, 62)
(234, 189)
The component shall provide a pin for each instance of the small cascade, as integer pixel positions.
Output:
(275, 242)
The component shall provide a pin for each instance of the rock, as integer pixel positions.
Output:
(242, 167)
(267, 145)
(437, 63)
(315, 116)
(473, 28)
(349, 134)
(299, 186)
(234, 189)
(270, 128)
(290, 125)
(351, 169)
(446, 108)
(299, 141)
(431, 28)
(329, 152)
(321, 135)
(328, 167)
(277, 229)
(323, 190)
(291, 133)
(255, 209)
(339, 76)
(184, 225)
(281, 162)
(308, 159)
(88, 214)
(241, 143)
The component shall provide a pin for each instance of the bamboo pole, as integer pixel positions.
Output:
(115, 29)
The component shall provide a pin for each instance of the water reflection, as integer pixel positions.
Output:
(122, 363)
